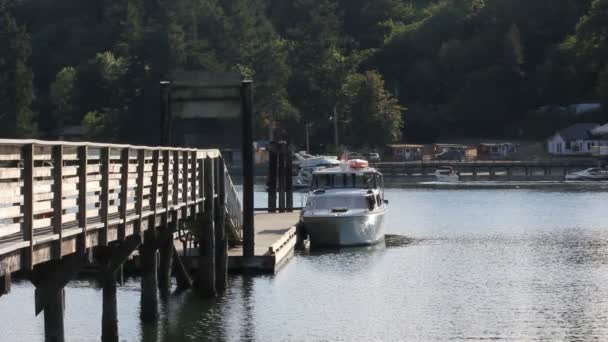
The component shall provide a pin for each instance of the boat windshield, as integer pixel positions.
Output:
(345, 181)
(350, 202)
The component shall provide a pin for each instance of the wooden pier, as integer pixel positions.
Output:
(64, 205)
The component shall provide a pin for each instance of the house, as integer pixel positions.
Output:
(406, 151)
(493, 151)
(576, 140)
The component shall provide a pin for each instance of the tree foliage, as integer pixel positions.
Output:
(474, 68)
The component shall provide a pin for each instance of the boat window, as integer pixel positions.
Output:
(345, 180)
(353, 202)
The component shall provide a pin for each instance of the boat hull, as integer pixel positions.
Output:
(344, 230)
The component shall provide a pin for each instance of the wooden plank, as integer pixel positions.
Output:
(82, 197)
(57, 199)
(124, 193)
(10, 212)
(175, 178)
(185, 174)
(28, 205)
(154, 188)
(103, 196)
(193, 179)
(165, 199)
(140, 191)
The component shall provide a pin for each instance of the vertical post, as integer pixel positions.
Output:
(149, 298)
(272, 176)
(53, 316)
(288, 179)
(185, 175)
(57, 199)
(124, 192)
(104, 170)
(335, 117)
(201, 184)
(221, 243)
(206, 269)
(166, 243)
(109, 320)
(28, 204)
(139, 191)
(247, 148)
(82, 197)
(282, 176)
(5, 284)
(165, 200)
(154, 187)
(175, 178)
(193, 156)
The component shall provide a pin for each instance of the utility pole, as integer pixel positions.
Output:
(307, 138)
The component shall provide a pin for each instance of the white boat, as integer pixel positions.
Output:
(592, 174)
(447, 174)
(307, 164)
(345, 206)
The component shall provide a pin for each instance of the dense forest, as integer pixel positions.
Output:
(391, 70)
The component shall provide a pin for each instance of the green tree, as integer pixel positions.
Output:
(62, 96)
(374, 116)
(16, 89)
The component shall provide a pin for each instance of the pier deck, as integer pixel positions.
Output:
(275, 239)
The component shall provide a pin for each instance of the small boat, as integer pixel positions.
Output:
(345, 206)
(307, 164)
(447, 174)
(592, 174)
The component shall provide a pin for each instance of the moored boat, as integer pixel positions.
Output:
(592, 174)
(447, 174)
(345, 206)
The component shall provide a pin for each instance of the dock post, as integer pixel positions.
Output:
(247, 148)
(206, 266)
(492, 173)
(5, 284)
(474, 170)
(50, 279)
(149, 296)
(111, 259)
(165, 251)
(527, 171)
(509, 172)
(282, 175)
(221, 243)
(272, 177)
(288, 179)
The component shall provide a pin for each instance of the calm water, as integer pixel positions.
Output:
(488, 264)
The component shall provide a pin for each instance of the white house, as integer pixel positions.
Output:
(576, 139)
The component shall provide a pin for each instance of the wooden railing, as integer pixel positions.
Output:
(57, 198)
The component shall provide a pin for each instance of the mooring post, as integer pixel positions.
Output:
(272, 176)
(288, 179)
(148, 262)
(206, 266)
(221, 242)
(282, 175)
(247, 150)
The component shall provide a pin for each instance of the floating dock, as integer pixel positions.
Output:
(275, 239)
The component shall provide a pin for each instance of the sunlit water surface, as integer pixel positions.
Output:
(487, 264)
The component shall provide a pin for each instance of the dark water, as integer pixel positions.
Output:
(486, 264)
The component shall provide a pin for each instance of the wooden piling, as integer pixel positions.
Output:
(109, 315)
(54, 310)
(247, 157)
(282, 176)
(166, 260)
(273, 162)
(288, 180)
(5, 284)
(205, 281)
(148, 261)
(221, 242)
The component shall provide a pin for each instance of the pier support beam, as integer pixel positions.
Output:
(111, 259)
(248, 171)
(205, 280)
(282, 176)
(166, 259)
(221, 242)
(5, 284)
(149, 295)
(182, 276)
(50, 279)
